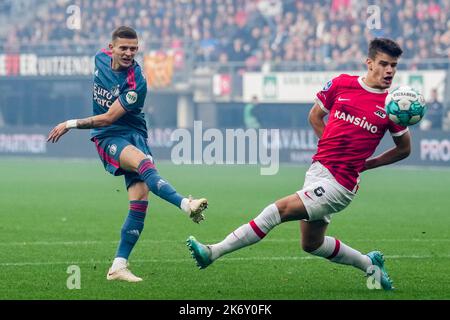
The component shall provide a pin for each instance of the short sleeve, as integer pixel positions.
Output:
(133, 97)
(397, 130)
(325, 97)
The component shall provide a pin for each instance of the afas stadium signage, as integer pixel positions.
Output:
(31, 65)
(301, 87)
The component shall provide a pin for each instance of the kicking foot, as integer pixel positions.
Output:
(122, 273)
(377, 259)
(199, 252)
(196, 207)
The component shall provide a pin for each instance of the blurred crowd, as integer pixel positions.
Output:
(334, 32)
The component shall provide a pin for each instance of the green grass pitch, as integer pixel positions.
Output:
(57, 213)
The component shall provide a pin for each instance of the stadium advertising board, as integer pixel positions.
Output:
(29, 142)
(22, 143)
(32, 65)
(301, 87)
(435, 150)
(222, 85)
(430, 148)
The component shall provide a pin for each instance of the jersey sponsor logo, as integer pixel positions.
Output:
(131, 97)
(363, 123)
(328, 85)
(380, 113)
(102, 96)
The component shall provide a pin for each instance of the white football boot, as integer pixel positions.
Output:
(122, 273)
(196, 207)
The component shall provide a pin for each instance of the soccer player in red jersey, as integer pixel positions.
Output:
(356, 123)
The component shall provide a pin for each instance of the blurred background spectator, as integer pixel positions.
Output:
(446, 121)
(435, 113)
(250, 31)
(250, 118)
(201, 50)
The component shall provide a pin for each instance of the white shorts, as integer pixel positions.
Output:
(322, 195)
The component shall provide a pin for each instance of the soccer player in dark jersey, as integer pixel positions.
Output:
(356, 123)
(120, 135)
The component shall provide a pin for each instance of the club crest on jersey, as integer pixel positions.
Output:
(328, 85)
(115, 91)
(131, 97)
(380, 113)
(112, 149)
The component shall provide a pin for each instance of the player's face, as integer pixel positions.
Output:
(382, 70)
(123, 52)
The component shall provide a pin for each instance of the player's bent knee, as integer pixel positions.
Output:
(131, 157)
(139, 198)
(310, 246)
(138, 191)
(291, 208)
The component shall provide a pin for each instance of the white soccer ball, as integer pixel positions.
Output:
(405, 106)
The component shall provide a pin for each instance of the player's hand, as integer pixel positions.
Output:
(57, 132)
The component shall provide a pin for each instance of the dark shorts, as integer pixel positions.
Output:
(110, 148)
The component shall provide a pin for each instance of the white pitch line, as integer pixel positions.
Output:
(76, 243)
(148, 241)
(184, 260)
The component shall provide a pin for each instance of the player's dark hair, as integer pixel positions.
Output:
(384, 45)
(124, 32)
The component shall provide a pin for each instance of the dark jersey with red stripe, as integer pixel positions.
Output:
(356, 124)
(129, 86)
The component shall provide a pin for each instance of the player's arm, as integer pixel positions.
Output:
(401, 150)
(102, 120)
(315, 118)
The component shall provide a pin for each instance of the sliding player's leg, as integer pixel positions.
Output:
(286, 209)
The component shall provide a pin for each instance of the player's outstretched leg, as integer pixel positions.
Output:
(164, 190)
(377, 259)
(200, 252)
(131, 230)
(243, 236)
(195, 208)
